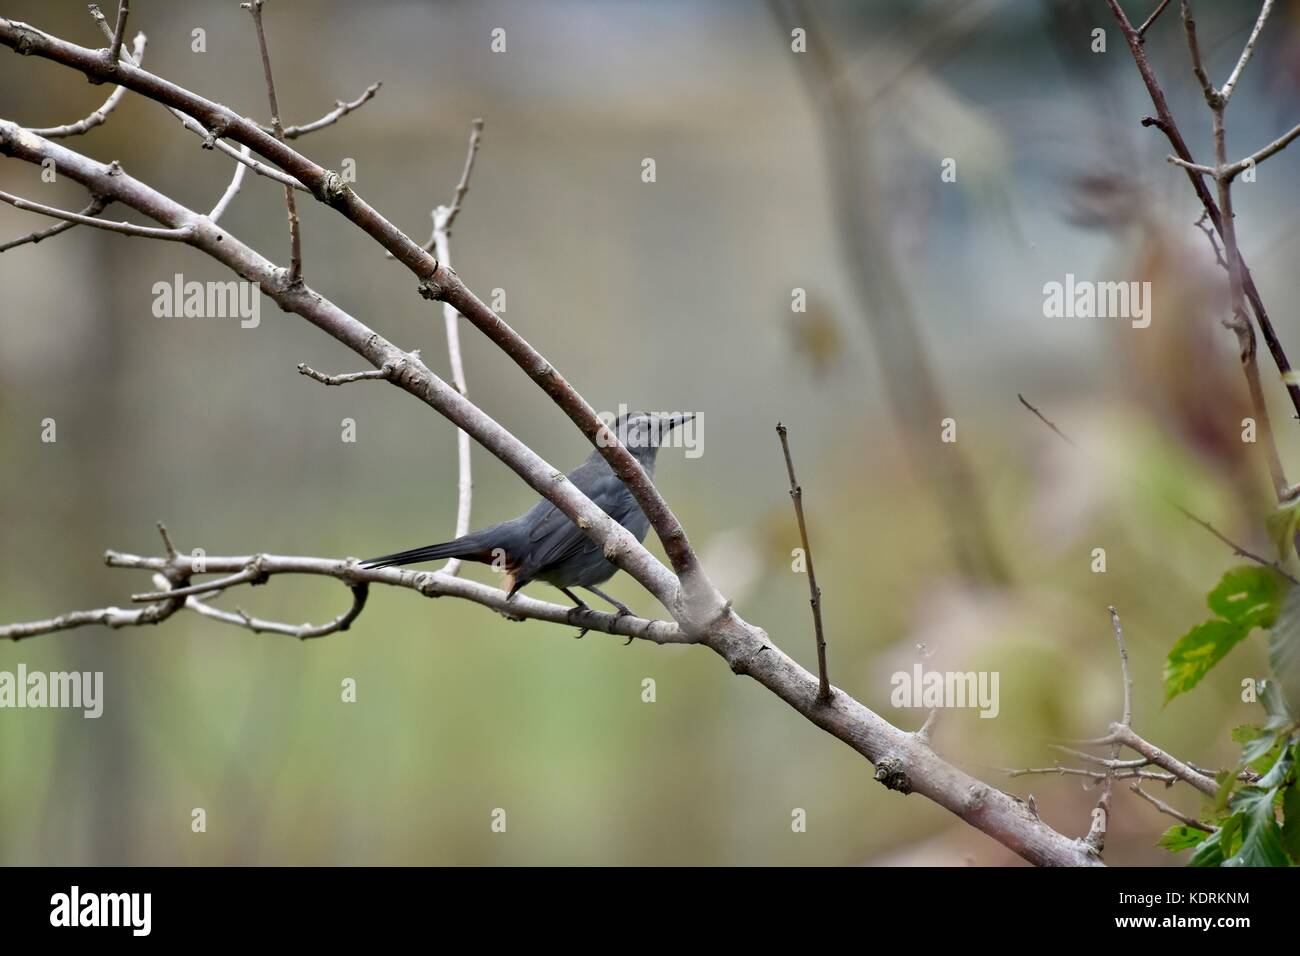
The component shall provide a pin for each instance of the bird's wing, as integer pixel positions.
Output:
(555, 537)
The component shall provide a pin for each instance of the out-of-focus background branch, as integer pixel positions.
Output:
(181, 417)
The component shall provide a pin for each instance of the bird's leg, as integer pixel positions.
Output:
(581, 606)
(623, 609)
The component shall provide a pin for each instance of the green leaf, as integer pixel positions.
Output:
(1249, 595)
(1196, 652)
(1291, 822)
(1261, 837)
(1282, 526)
(1211, 850)
(1181, 837)
(1284, 651)
(1245, 598)
(1278, 772)
(1244, 733)
(1279, 715)
(1256, 749)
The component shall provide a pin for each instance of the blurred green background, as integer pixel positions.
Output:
(671, 295)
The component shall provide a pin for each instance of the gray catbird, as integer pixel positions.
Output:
(544, 544)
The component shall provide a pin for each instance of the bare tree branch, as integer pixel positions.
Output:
(346, 378)
(1096, 775)
(236, 181)
(1167, 809)
(209, 141)
(1231, 84)
(240, 618)
(1096, 837)
(443, 217)
(95, 207)
(341, 109)
(429, 583)
(1233, 170)
(100, 115)
(124, 228)
(295, 233)
(119, 31)
(1164, 121)
(815, 598)
(1239, 322)
(1142, 30)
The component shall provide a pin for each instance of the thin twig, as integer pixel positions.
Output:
(1163, 760)
(295, 235)
(1123, 659)
(100, 115)
(341, 109)
(1096, 837)
(1198, 69)
(96, 206)
(1231, 84)
(1170, 811)
(1233, 170)
(1059, 434)
(1110, 763)
(443, 217)
(345, 378)
(240, 618)
(119, 31)
(210, 141)
(1095, 775)
(125, 228)
(815, 599)
(462, 187)
(1212, 236)
(1142, 30)
(236, 181)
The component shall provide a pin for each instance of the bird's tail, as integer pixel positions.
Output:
(466, 547)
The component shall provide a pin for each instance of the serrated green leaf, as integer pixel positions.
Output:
(1246, 597)
(1196, 652)
(1261, 837)
(1291, 822)
(1275, 705)
(1211, 849)
(1257, 748)
(1276, 774)
(1181, 837)
(1284, 651)
(1244, 733)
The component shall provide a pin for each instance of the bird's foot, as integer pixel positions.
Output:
(576, 613)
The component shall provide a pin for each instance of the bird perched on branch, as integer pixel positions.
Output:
(544, 544)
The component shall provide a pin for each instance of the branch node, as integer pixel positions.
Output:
(332, 188)
(891, 772)
(430, 288)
